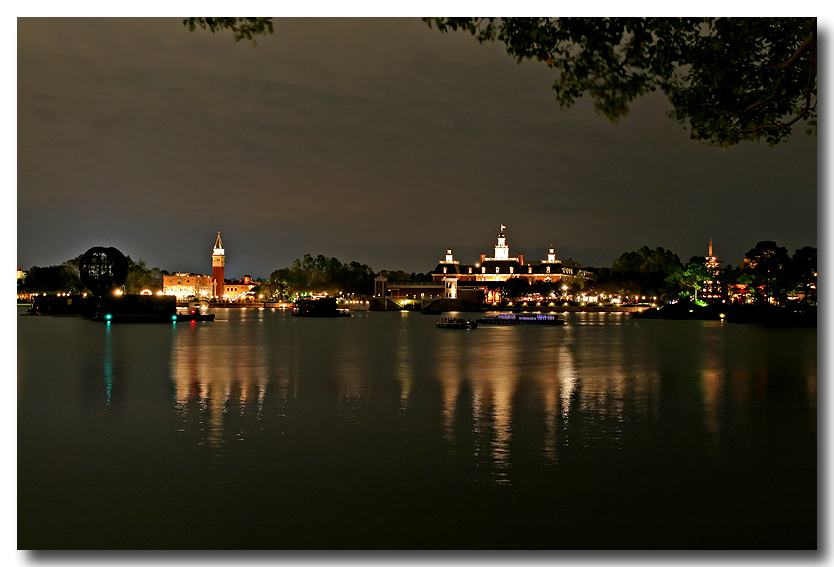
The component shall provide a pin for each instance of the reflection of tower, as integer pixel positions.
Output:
(218, 267)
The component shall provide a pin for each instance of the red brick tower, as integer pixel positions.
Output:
(218, 267)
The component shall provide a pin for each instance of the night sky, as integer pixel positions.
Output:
(377, 140)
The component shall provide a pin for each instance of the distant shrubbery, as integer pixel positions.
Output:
(66, 278)
(322, 274)
(319, 274)
(769, 273)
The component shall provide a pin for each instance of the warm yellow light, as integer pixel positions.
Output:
(146, 292)
(118, 292)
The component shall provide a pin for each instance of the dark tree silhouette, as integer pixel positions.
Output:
(728, 79)
(768, 265)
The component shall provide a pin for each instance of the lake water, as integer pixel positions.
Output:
(380, 431)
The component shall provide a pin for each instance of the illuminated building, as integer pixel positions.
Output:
(502, 266)
(712, 289)
(408, 290)
(218, 267)
(480, 283)
(238, 290)
(184, 285)
(492, 271)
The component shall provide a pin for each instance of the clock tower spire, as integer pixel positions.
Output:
(218, 267)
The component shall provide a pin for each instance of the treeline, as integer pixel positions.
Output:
(66, 278)
(767, 271)
(322, 274)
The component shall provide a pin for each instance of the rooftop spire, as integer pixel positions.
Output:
(218, 245)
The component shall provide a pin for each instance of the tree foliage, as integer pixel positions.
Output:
(694, 276)
(319, 274)
(728, 79)
(141, 277)
(514, 288)
(650, 272)
(51, 279)
(767, 263)
(66, 278)
(804, 272)
(242, 28)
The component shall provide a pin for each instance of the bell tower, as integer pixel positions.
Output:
(502, 251)
(218, 267)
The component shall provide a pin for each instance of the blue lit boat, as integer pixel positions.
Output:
(521, 319)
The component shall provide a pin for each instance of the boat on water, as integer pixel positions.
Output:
(456, 323)
(521, 319)
(194, 312)
(193, 315)
(324, 307)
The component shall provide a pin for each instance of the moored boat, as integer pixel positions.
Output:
(196, 311)
(324, 307)
(193, 315)
(521, 319)
(456, 323)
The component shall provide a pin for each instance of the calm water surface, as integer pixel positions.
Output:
(261, 430)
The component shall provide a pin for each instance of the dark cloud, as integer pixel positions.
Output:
(376, 140)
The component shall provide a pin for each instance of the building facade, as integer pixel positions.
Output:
(239, 290)
(185, 285)
(215, 287)
(501, 267)
(482, 282)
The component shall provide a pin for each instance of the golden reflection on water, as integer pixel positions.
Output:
(601, 370)
(210, 377)
(494, 378)
(712, 381)
(404, 365)
(480, 379)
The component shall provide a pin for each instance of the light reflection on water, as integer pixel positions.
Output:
(382, 406)
(606, 366)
